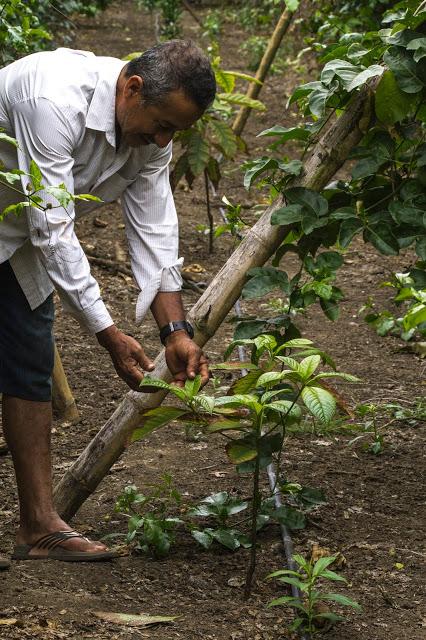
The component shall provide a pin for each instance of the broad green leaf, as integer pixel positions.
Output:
(405, 214)
(287, 407)
(35, 175)
(265, 279)
(225, 80)
(320, 403)
(296, 342)
(290, 362)
(290, 517)
(309, 199)
(12, 176)
(192, 387)
(286, 133)
(408, 74)
(227, 538)
(154, 382)
(156, 418)
(16, 209)
(198, 152)
(257, 167)
(348, 230)
(292, 5)
(239, 451)
(345, 71)
(204, 402)
(244, 384)
(391, 103)
(380, 235)
(330, 309)
(62, 195)
(294, 581)
(361, 78)
(268, 378)
(287, 215)
(242, 100)
(321, 564)
(203, 538)
(225, 137)
(308, 366)
(5, 138)
(336, 374)
(418, 45)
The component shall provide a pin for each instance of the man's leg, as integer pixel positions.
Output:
(27, 426)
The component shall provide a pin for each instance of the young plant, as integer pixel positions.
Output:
(35, 188)
(311, 602)
(411, 295)
(219, 508)
(150, 527)
(281, 380)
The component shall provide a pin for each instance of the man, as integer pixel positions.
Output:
(104, 127)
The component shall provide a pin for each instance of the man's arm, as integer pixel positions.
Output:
(152, 233)
(46, 134)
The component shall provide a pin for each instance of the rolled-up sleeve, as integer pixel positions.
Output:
(152, 231)
(46, 134)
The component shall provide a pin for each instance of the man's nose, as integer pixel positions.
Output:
(163, 138)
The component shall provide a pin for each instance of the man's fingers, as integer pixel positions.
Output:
(143, 360)
(204, 372)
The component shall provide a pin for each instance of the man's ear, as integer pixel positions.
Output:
(133, 86)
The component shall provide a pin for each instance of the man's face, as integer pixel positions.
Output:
(151, 124)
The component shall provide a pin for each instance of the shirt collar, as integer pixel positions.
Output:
(101, 113)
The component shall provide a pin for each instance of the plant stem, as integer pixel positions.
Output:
(253, 537)
(209, 213)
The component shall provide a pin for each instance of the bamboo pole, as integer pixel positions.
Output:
(265, 64)
(328, 155)
(62, 398)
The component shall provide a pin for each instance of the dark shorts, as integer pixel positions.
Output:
(26, 342)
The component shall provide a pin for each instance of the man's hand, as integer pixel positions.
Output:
(185, 359)
(126, 354)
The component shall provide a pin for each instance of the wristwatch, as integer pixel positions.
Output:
(171, 327)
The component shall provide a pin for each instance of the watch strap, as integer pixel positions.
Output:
(171, 327)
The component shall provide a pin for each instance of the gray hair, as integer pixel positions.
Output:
(173, 65)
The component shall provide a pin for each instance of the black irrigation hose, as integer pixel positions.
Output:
(271, 471)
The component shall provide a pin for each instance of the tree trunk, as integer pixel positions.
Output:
(260, 243)
(265, 64)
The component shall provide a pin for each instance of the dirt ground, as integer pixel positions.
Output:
(374, 512)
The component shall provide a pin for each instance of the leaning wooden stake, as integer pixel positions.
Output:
(329, 153)
(265, 64)
(62, 398)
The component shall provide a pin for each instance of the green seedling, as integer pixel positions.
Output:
(219, 508)
(310, 605)
(150, 527)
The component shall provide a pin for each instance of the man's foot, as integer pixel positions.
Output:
(4, 563)
(55, 546)
(56, 540)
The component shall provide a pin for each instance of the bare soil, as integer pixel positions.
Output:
(374, 515)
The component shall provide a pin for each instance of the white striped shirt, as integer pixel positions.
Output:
(60, 106)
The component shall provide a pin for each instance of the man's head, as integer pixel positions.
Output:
(165, 90)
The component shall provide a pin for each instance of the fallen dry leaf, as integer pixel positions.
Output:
(132, 619)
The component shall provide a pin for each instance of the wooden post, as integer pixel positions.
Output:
(325, 158)
(62, 398)
(265, 64)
